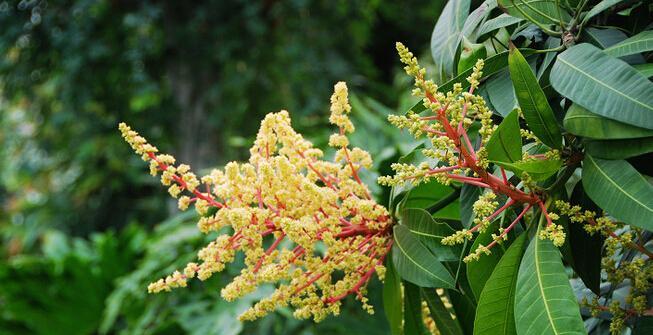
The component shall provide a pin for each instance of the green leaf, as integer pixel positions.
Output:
(538, 11)
(619, 149)
(545, 302)
(641, 42)
(645, 69)
(579, 121)
(643, 325)
(413, 322)
(551, 43)
(505, 143)
(493, 64)
(468, 195)
(605, 38)
(479, 271)
(536, 109)
(601, 6)
(500, 21)
(620, 190)
(538, 169)
(604, 85)
(426, 194)
(430, 233)
(445, 324)
(465, 308)
(392, 304)
(501, 92)
(470, 53)
(495, 311)
(447, 35)
(415, 263)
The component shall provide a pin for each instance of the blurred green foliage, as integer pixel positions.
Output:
(78, 241)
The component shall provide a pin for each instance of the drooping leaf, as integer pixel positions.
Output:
(500, 21)
(430, 233)
(447, 35)
(495, 311)
(585, 248)
(620, 190)
(538, 169)
(604, 85)
(536, 109)
(415, 263)
(545, 302)
(413, 323)
(505, 143)
(479, 271)
(641, 42)
(468, 195)
(579, 121)
(619, 149)
(601, 6)
(540, 11)
(445, 324)
(392, 302)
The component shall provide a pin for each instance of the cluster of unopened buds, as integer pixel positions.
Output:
(445, 124)
(307, 225)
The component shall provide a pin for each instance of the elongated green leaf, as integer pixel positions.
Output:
(619, 149)
(413, 322)
(430, 233)
(444, 322)
(392, 304)
(538, 169)
(505, 143)
(495, 311)
(645, 69)
(540, 11)
(620, 190)
(579, 121)
(415, 263)
(601, 6)
(468, 195)
(446, 36)
(641, 42)
(604, 85)
(533, 103)
(544, 301)
(500, 21)
(479, 271)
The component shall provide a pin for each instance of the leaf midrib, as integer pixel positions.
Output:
(539, 280)
(616, 185)
(416, 264)
(604, 85)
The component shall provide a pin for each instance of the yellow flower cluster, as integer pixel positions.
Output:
(307, 225)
